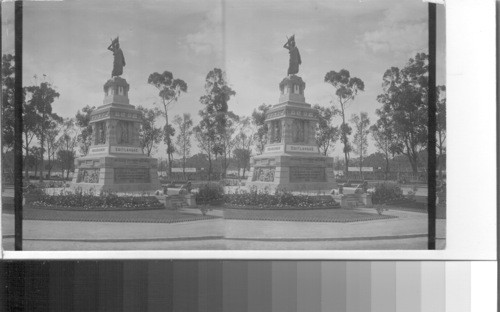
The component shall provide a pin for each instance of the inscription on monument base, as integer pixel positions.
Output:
(307, 174)
(126, 150)
(302, 149)
(132, 175)
(272, 149)
(98, 150)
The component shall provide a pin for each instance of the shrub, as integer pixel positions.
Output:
(386, 193)
(209, 192)
(33, 189)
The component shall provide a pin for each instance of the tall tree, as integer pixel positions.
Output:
(52, 140)
(149, 135)
(35, 152)
(326, 134)
(385, 140)
(228, 141)
(30, 121)
(170, 91)
(216, 119)
(42, 97)
(204, 133)
(258, 120)
(441, 128)
(361, 125)
(183, 141)
(404, 103)
(82, 121)
(346, 89)
(243, 142)
(7, 121)
(8, 89)
(67, 144)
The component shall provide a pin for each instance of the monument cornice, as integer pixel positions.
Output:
(307, 113)
(113, 112)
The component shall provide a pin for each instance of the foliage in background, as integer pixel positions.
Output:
(258, 120)
(361, 124)
(8, 88)
(441, 128)
(183, 142)
(149, 135)
(326, 134)
(385, 140)
(66, 147)
(82, 120)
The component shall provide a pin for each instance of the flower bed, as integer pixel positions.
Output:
(91, 202)
(279, 200)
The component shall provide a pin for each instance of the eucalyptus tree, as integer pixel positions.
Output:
(346, 90)
(404, 104)
(170, 89)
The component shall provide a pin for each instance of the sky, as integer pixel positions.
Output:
(67, 42)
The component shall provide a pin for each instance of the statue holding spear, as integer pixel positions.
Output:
(295, 61)
(119, 59)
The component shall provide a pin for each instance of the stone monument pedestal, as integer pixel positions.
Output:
(115, 161)
(291, 160)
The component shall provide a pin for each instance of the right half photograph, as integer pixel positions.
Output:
(341, 127)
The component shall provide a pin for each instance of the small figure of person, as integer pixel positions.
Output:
(295, 61)
(365, 187)
(119, 59)
(187, 187)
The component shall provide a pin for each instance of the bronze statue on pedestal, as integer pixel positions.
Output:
(295, 61)
(119, 59)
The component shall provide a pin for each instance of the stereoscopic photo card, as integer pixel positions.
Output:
(239, 129)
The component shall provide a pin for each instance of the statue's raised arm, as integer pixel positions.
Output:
(295, 61)
(118, 58)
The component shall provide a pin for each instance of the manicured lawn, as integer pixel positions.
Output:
(316, 215)
(146, 216)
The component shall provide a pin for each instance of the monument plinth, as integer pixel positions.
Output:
(115, 161)
(291, 159)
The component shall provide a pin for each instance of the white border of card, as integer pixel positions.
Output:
(471, 206)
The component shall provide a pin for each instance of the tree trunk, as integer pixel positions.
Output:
(209, 168)
(414, 163)
(361, 166)
(440, 157)
(386, 166)
(169, 155)
(26, 172)
(344, 136)
(41, 159)
(49, 165)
